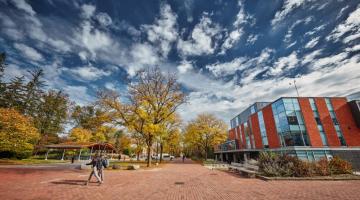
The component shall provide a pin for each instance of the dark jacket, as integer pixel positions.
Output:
(98, 162)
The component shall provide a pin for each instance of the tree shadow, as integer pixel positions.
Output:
(69, 182)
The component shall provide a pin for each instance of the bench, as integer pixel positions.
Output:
(246, 170)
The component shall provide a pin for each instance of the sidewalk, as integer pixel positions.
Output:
(175, 181)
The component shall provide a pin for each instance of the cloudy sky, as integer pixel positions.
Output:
(227, 53)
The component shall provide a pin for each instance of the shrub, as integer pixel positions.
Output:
(322, 167)
(340, 166)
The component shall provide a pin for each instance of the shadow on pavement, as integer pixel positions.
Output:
(69, 182)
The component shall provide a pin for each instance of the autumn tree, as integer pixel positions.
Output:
(153, 99)
(205, 132)
(17, 134)
(169, 133)
(80, 135)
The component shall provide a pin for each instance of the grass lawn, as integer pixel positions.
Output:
(29, 161)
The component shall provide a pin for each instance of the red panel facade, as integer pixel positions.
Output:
(243, 136)
(347, 123)
(232, 134)
(310, 123)
(256, 131)
(327, 123)
(239, 138)
(271, 132)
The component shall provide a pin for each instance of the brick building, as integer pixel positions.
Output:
(307, 127)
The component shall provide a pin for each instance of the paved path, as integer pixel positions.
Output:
(174, 181)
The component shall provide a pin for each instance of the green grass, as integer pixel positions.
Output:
(29, 161)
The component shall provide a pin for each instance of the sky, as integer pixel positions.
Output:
(227, 54)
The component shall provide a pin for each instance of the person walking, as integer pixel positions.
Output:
(183, 158)
(95, 164)
(102, 166)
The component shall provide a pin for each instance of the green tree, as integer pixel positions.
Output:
(52, 114)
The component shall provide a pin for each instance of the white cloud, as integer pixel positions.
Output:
(22, 5)
(252, 39)
(9, 27)
(354, 48)
(284, 63)
(89, 73)
(28, 52)
(104, 19)
(142, 55)
(184, 67)
(312, 43)
(92, 39)
(88, 10)
(288, 7)
(164, 32)
(110, 86)
(79, 94)
(226, 99)
(202, 41)
(227, 68)
(352, 24)
(234, 36)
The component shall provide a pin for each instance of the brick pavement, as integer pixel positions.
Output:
(175, 181)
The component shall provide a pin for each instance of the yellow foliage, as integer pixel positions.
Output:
(205, 132)
(80, 135)
(17, 133)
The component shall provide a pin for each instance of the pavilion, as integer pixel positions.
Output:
(99, 147)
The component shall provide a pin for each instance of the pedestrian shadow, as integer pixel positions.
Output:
(69, 182)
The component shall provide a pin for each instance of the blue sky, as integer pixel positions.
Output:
(227, 54)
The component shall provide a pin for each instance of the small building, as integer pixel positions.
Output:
(307, 127)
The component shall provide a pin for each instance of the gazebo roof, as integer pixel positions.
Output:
(75, 145)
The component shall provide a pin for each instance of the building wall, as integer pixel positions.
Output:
(327, 123)
(231, 134)
(256, 131)
(271, 132)
(346, 121)
(243, 136)
(310, 123)
(240, 144)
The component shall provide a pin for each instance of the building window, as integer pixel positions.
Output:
(318, 122)
(335, 121)
(289, 122)
(247, 135)
(263, 130)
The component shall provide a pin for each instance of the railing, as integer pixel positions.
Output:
(228, 146)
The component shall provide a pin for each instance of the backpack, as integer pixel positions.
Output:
(105, 163)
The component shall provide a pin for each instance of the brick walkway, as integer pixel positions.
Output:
(174, 181)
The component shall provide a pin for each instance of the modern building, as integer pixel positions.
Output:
(307, 127)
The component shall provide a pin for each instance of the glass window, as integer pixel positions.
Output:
(263, 130)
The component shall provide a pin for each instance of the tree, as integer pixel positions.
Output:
(17, 134)
(205, 132)
(51, 115)
(2, 69)
(168, 133)
(80, 135)
(153, 99)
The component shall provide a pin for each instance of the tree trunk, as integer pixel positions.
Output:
(206, 152)
(161, 151)
(148, 155)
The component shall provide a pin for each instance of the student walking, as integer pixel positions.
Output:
(96, 164)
